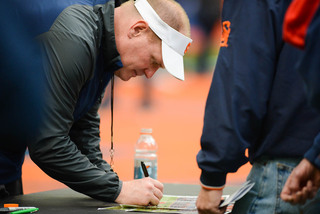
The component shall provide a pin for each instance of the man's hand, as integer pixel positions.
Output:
(143, 191)
(302, 184)
(208, 201)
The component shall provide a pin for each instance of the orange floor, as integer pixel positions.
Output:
(176, 117)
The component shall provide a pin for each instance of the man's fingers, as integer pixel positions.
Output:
(158, 185)
(155, 190)
(286, 193)
(308, 192)
(286, 197)
(297, 197)
(154, 200)
(157, 193)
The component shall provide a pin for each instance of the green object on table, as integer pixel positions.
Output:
(32, 210)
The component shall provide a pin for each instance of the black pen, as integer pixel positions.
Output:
(144, 168)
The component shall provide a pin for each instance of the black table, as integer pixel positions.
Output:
(69, 201)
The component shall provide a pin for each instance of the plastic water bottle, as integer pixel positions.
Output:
(146, 151)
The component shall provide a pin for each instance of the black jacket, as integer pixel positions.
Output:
(67, 148)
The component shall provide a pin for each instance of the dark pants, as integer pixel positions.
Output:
(10, 189)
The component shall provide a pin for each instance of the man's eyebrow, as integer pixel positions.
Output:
(159, 63)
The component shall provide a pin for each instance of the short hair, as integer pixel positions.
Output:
(172, 13)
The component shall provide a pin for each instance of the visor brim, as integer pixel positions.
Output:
(173, 62)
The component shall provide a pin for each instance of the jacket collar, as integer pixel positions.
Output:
(108, 46)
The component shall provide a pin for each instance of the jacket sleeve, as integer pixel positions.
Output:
(313, 154)
(73, 160)
(242, 82)
(85, 133)
(309, 65)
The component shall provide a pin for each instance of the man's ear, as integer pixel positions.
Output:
(138, 28)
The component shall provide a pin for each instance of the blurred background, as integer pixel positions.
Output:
(173, 109)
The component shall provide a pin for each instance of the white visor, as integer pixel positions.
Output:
(174, 43)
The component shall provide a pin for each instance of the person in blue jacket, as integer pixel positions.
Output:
(257, 103)
(21, 86)
(22, 81)
(302, 30)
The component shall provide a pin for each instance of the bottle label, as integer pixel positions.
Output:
(151, 167)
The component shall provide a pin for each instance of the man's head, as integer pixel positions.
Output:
(148, 39)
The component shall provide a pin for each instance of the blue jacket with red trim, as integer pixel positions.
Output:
(302, 29)
(256, 100)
